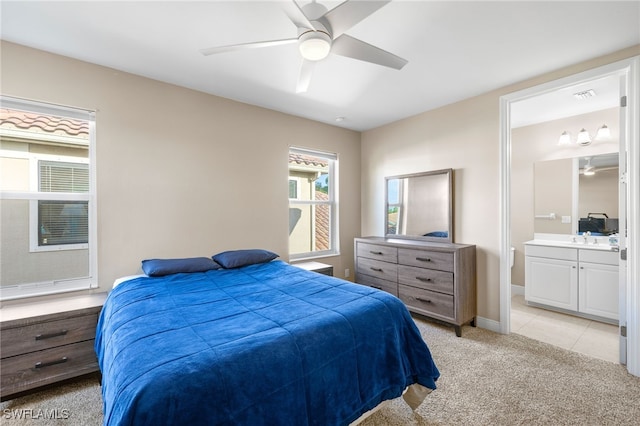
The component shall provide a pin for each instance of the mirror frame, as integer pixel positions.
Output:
(449, 238)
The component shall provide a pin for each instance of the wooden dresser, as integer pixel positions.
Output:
(437, 280)
(46, 342)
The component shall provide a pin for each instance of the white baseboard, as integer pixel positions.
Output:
(488, 324)
(492, 325)
(517, 290)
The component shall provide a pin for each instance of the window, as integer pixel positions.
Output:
(293, 188)
(313, 198)
(47, 199)
(395, 197)
(61, 223)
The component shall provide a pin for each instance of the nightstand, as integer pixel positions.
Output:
(321, 268)
(47, 342)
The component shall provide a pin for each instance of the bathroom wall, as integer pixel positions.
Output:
(538, 142)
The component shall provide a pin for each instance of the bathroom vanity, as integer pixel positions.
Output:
(576, 275)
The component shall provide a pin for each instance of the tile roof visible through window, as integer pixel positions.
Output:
(43, 124)
(322, 223)
(307, 160)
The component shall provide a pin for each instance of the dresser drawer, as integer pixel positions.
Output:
(428, 279)
(44, 335)
(427, 302)
(380, 284)
(375, 268)
(426, 259)
(34, 369)
(378, 252)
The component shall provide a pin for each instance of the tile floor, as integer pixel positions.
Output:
(593, 338)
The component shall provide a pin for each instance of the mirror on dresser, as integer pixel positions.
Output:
(568, 201)
(420, 206)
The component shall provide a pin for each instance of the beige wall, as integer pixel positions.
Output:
(172, 165)
(182, 173)
(465, 137)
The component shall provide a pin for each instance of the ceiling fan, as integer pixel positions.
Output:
(322, 31)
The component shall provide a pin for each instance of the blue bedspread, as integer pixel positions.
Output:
(266, 344)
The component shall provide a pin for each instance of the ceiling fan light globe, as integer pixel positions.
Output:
(314, 45)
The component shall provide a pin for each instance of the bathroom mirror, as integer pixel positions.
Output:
(420, 206)
(567, 200)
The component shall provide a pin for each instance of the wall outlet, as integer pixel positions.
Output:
(566, 219)
(347, 272)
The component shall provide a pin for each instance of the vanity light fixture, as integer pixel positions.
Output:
(603, 132)
(565, 139)
(584, 138)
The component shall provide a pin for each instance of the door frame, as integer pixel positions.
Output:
(629, 69)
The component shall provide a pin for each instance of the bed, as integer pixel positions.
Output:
(263, 343)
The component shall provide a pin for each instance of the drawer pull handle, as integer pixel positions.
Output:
(50, 335)
(376, 269)
(375, 252)
(50, 363)
(423, 300)
(423, 259)
(423, 279)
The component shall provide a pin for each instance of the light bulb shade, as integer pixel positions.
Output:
(565, 139)
(314, 45)
(584, 138)
(603, 132)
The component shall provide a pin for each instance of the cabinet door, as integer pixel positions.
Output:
(551, 282)
(598, 290)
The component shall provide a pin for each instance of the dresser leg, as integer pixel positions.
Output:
(473, 322)
(458, 331)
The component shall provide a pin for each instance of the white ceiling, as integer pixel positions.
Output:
(455, 49)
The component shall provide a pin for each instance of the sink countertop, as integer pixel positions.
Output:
(579, 244)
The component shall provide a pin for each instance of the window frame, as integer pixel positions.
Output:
(332, 202)
(56, 286)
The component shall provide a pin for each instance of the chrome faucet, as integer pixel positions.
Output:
(586, 236)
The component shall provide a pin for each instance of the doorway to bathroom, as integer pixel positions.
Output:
(571, 332)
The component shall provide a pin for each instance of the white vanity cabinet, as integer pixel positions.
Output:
(576, 279)
(551, 276)
(598, 283)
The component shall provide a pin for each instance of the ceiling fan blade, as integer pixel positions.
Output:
(297, 16)
(242, 46)
(304, 78)
(353, 48)
(349, 13)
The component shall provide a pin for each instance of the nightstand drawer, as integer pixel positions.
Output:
(26, 371)
(428, 279)
(44, 335)
(427, 302)
(375, 268)
(426, 259)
